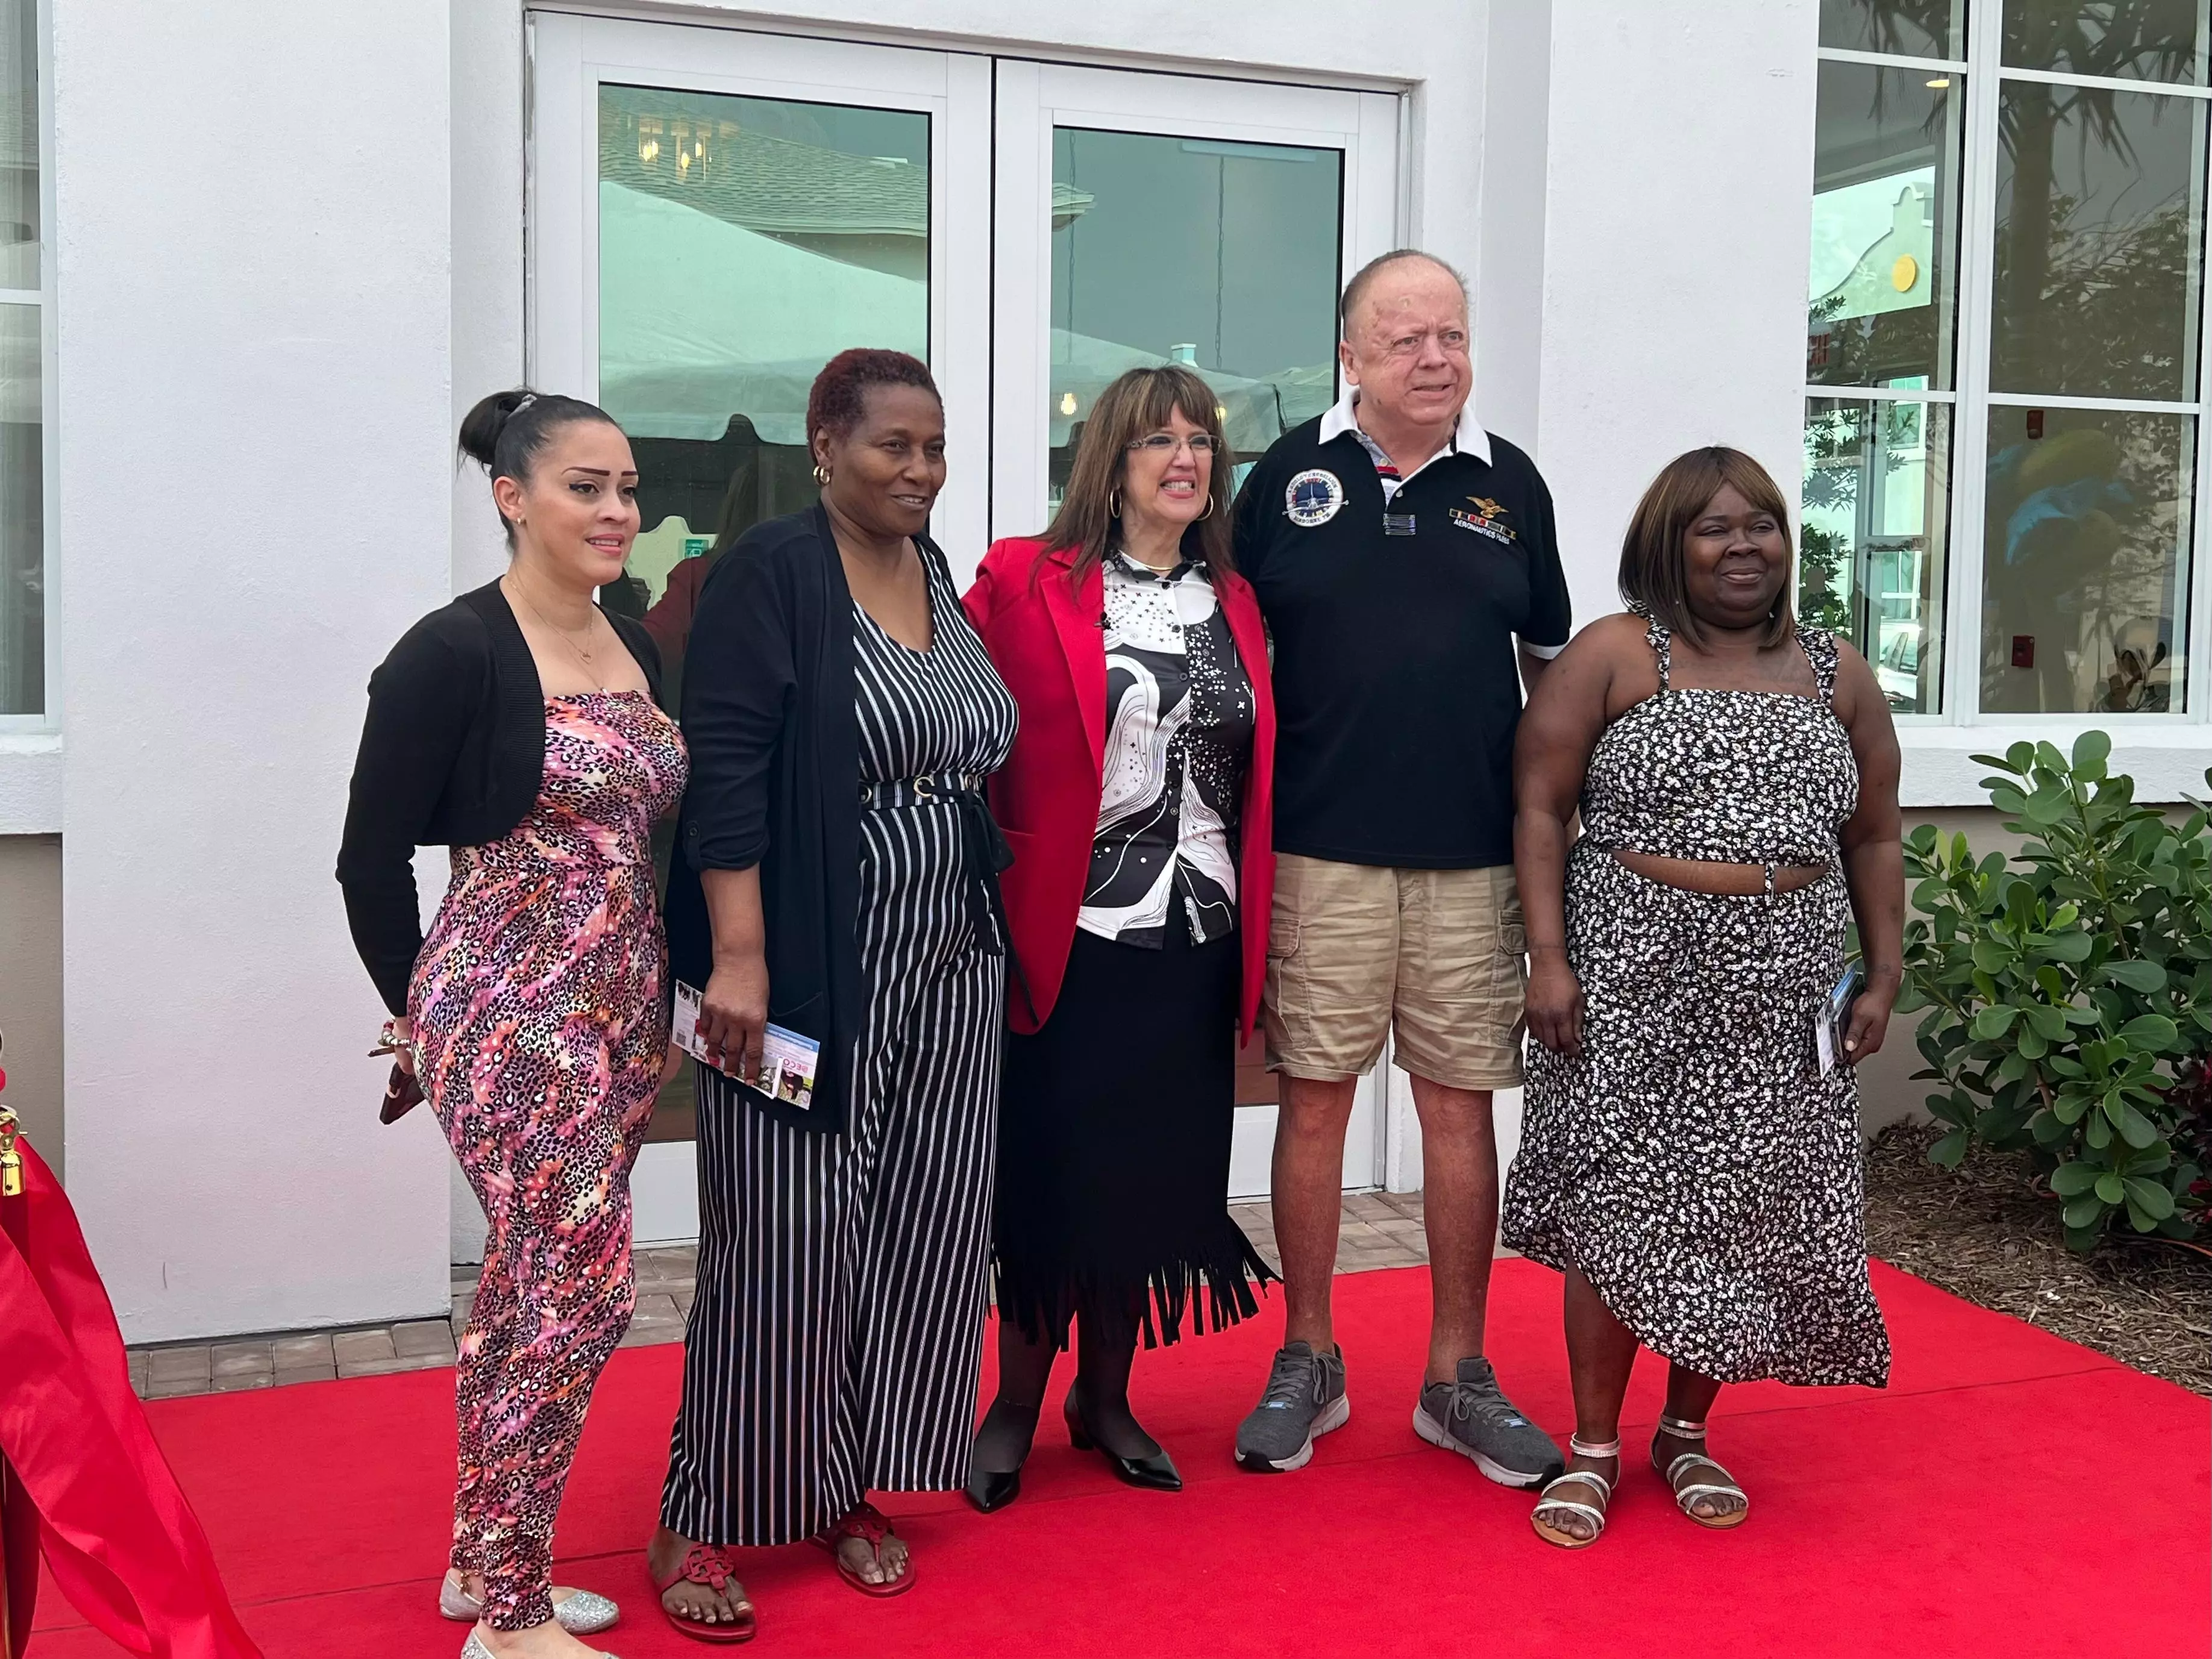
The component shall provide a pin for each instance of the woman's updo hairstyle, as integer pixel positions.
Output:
(506, 432)
(839, 397)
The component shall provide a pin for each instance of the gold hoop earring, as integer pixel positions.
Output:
(1114, 502)
(821, 475)
(1208, 513)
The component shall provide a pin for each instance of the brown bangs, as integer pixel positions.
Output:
(1136, 405)
(1652, 566)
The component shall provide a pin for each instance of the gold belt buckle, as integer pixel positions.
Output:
(925, 789)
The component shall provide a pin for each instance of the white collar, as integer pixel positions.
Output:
(1468, 438)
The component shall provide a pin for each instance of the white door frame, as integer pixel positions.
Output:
(573, 56)
(1033, 99)
(990, 295)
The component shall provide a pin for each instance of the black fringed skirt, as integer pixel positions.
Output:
(1113, 1129)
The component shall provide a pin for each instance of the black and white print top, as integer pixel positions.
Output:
(1738, 777)
(1179, 723)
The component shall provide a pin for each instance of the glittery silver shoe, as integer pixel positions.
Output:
(579, 1612)
(474, 1649)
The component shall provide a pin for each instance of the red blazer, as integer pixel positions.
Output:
(1046, 639)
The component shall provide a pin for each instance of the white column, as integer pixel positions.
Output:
(1679, 213)
(253, 251)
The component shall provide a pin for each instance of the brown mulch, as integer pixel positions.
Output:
(1981, 1233)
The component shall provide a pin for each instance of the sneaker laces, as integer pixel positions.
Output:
(1291, 1379)
(1487, 1402)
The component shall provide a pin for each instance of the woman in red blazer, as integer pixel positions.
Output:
(1136, 803)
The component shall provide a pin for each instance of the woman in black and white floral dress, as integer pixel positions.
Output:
(1689, 1160)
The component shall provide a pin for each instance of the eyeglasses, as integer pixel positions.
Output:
(1166, 442)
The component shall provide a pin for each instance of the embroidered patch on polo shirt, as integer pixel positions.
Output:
(1312, 498)
(1485, 519)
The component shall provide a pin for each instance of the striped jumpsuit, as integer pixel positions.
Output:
(834, 1346)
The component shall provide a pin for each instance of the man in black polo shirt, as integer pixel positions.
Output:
(1406, 562)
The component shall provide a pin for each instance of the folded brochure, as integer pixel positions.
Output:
(787, 1059)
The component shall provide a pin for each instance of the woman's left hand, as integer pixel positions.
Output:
(1869, 1023)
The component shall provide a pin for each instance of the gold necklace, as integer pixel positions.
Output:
(584, 657)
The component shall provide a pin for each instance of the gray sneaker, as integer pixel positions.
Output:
(1305, 1400)
(1473, 1418)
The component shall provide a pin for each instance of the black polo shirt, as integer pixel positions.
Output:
(1397, 688)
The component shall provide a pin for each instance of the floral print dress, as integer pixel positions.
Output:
(540, 1003)
(1692, 1161)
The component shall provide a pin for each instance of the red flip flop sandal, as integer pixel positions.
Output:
(710, 1565)
(867, 1523)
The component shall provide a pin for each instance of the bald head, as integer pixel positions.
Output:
(1404, 347)
(1404, 261)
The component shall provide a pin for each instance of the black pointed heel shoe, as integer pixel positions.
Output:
(993, 1489)
(1156, 1472)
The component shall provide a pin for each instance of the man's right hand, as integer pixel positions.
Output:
(1554, 1002)
(732, 1014)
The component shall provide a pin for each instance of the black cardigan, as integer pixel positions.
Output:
(770, 719)
(452, 754)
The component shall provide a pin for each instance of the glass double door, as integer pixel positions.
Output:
(714, 214)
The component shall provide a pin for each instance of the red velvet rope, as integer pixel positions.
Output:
(90, 1483)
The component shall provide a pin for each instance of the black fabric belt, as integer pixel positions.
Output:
(983, 850)
(921, 791)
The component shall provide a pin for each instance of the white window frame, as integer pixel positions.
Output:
(2165, 752)
(39, 734)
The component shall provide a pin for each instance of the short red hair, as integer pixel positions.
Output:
(840, 392)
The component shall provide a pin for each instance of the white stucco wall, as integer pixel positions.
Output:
(1679, 194)
(252, 253)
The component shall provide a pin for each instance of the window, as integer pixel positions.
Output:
(2008, 291)
(23, 378)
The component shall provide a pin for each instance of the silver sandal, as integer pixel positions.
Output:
(579, 1612)
(1685, 1496)
(1591, 1513)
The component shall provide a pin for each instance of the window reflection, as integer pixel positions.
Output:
(1884, 228)
(1221, 256)
(1871, 559)
(22, 434)
(2087, 529)
(742, 242)
(2123, 39)
(2099, 225)
(1912, 28)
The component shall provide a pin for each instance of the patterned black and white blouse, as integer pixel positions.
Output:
(1179, 722)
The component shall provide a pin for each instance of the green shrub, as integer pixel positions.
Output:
(2066, 986)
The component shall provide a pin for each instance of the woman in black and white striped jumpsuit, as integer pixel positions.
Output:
(843, 704)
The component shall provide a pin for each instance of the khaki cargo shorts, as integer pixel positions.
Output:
(1436, 956)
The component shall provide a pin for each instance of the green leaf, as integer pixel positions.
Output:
(2073, 1178)
(2109, 1188)
(1992, 956)
(1950, 1150)
(2066, 946)
(2048, 757)
(2018, 758)
(2085, 1211)
(2050, 1023)
(2137, 1130)
(2136, 974)
(1996, 1020)
(2153, 1031)
(2148, 1197)
(2092, 746)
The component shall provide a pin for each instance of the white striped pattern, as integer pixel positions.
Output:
(835, 1342)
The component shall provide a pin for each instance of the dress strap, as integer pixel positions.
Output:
(1661, 641)
(1820, 648)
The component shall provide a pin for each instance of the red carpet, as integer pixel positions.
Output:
(2009, 1494)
